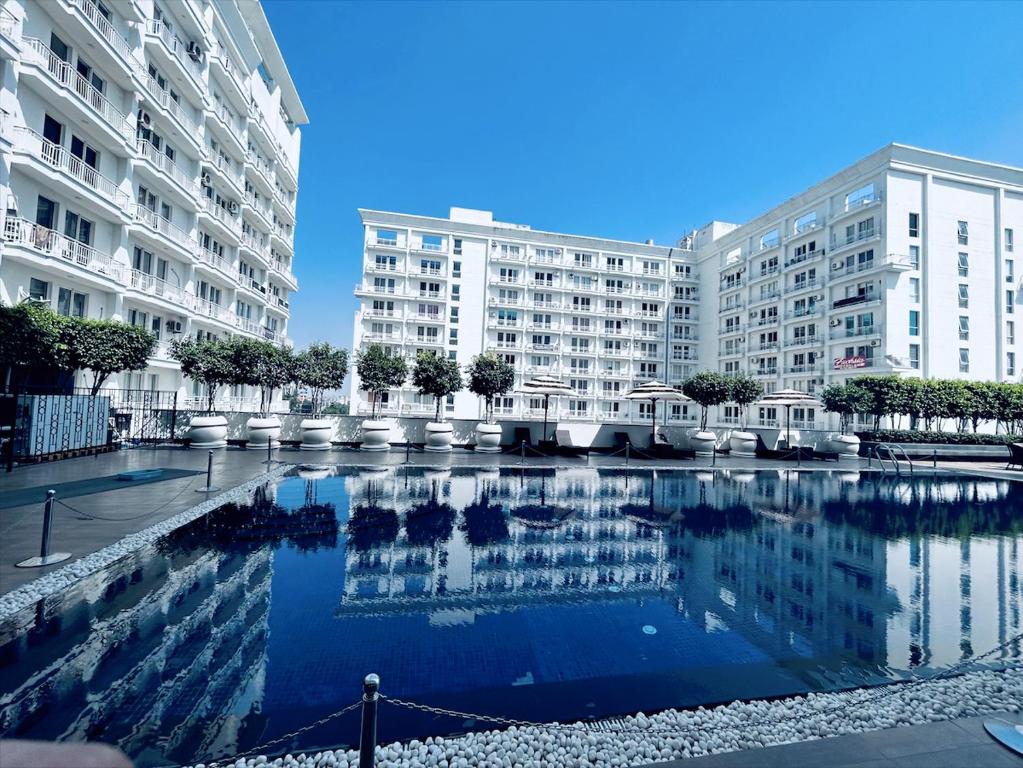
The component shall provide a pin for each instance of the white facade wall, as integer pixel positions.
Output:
(150, 154)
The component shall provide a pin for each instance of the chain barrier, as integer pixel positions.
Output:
(92, 516)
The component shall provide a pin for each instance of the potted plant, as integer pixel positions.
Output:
(490, 376)
(379, 372)
(845, 400)
(320, 367)
(745, 390)
(268, 366)
(439, 377)
(706, 388)
(104, 347)
(211, 363)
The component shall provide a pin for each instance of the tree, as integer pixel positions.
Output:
(273, 367)
(379, 372)
(209, 361)
(707, 388)
(105, 347)
(30, 335)
(1008, 407)
(321, 367)
(490, 376)
(437, 376)
(846, 400)
(933, 402)
(982, 402)
(745, 390)
(887, 397)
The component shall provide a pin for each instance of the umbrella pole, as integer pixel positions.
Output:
(788, 420)
(653, 423)
(546, 403)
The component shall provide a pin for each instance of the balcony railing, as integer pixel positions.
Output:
(154, 286)
(50, 243)
(731, 307)
(67, 76)
(221, 214)
(56, 156)
(8, 24)
(105, 29)
(804, 341)
(158, 223)
(860, 236)
(162, 97)
(177, 48)
(804, 285)
(857, 331)
(851, 301)
(805, 257)
(159, 159)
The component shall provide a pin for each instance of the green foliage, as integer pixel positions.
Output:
(321, 367)
(437, 376)
(105, 347)
(30, 335)
(845, 400)
(210, 361)
(379, 372)
(945, 438)
(265, 365)
(490, 376)
(885, 396)
(745, 390)
(707, 388)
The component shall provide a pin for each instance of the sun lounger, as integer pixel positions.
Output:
(1015, 456)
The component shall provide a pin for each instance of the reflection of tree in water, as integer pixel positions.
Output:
(706, 521)
(484, 523)
(924, 511)
(429, 523)
(371, 526)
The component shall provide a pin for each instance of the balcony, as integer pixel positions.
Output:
(264, 170)
(249, 241)
(385, 244)
(156, 223)
(807, 228)
(764, 297)
(767, 346)
(225, 170)
(812, 311)
(427, 317)
(385, 268)
(381, 313)
(805, 341)
(587, 330)
(684, 357)
(432, 249)
(728, 330)
(387, 338)
(10, 34)
(154, 287)
(115, 49)
(893, 262)
(733, 307)
(731, 285)
(805, 285)
(185, 182)
(179, 54)
(220, 214)
(51, 244)
(545, 259)
(91, 104)
(858, 237)
(857, 205)
(209, 309)
(229, 127)
(805, 258)
(208, 258)
(764, 274)
(182, 123)
(542, 347)
(812, 368)
(856, 332)
(220, 61)
(852, 301)
(768, 245)
(52, 157)
(760, 322)
(767, 370)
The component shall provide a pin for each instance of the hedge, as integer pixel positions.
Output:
(946, 438)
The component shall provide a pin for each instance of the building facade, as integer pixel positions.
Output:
(150, 159)
(902, 263)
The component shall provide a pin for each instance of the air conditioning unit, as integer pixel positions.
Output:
(194, 51)
(174, 326)
(232, 207)
(493, 243)
(837, 264)
(875, 342)
(144, 118)
(557, 251)
(819, 297)
(835, 322)
(207, 180)
(754, 359)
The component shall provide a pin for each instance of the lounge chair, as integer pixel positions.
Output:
(1015, 456)
(563, 444)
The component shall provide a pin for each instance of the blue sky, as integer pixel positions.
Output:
(626, 120)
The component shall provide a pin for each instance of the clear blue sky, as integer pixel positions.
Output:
(626, 120)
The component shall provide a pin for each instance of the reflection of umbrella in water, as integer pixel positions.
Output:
(788, 398)
(370, 525)
(429, 523)
(707, 521)
(484, 523)
(542, 515)
(545, 386)
(654, 391)
(651, 513)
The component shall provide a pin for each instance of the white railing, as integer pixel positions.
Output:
(158, 223)
(803, 285)
(177, 48)
(249, 241)
(8, 24)
(220, 54)
(105, 29)
(66, 75)
(47, 241)
(30, 142)
(804, 257)
(859, 236)
(261, 165)
(221, 214)
(862, 201)
(163, 99)
(154, 286)
(159, 159)
(214, 260)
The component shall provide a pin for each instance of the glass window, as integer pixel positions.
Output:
(964, 264)
(914, 322)
(964, 361)
(1008, 240)
(964, 295)
(914, 256)
(914, 289)
(1010, 332)
(387, 237)
(38, 290)
(963, 232)
(914, 225)
(914, 355)
(458, 246)
(456, 268)
(964, 328)
(1010, 271)
(1010, 302)
(1010, 363)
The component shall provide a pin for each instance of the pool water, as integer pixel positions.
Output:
(539, 595)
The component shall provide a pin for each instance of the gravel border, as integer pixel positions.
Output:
(67, 576)
(671, 735)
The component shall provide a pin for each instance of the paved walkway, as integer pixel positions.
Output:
(953, 744)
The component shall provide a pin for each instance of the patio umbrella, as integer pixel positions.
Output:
(788, 398)
(546, 386)
(654, 391)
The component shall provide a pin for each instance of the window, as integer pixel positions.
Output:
(453, 336)
(38, 290)
(456, 292)
(914, 256)
(914, 356)
(963, 232)
(71, 303)
(454, 315)
(914, 322)
(914, 289)
(964, 361)
(964, 296)
(964, 264)
(964, 328)
(914, 225)
(1010, 302)
(1010, 332)
(387, 237)
(1008, 240)
(456, 269)
(458, 246)
(1010, 271)
(1010, 363)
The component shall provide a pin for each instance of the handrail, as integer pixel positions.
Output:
(891, 448)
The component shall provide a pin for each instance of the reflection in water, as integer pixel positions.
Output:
(533, 594)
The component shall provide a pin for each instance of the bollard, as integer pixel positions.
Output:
(368, 737)
(628, 451)
(799, 457)
(714, 457)
(45, 558)
(209, 476)
(934, 459)
(408, 450)
(269, 450)
(522, 451)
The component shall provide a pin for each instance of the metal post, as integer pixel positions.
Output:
(934, 459)
(408, 450)
(628, 451)
(368, 737)
(45, 558)
(522, 451)
(714, 456)
(269, 450)
(209, 476)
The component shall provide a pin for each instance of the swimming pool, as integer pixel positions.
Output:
(530, 594)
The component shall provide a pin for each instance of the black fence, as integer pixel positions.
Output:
(38, 424)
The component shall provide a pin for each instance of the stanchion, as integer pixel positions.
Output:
(408, 451)
(368, 737)
(934, 459)
(269, 450)
(628, 451)
(45, 558)
(522, 451)
(714, 457)
(210, 488)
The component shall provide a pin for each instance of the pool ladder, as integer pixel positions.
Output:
(892, 449)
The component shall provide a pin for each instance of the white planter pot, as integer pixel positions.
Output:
(438, 436)
(316, 434)
(743, 444)
(376, 435)
(260, 430)
(488, 438)
(208, 431)
(846, 446)
(703, 443)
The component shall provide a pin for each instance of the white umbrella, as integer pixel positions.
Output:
(545, 386)
(788, 398)
(654, 391)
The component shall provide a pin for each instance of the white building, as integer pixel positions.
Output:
(150, 159)
(901, 263)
